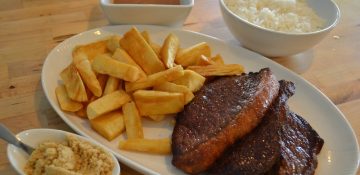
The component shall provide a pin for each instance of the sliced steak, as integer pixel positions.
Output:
(257, 152)
(300, 144)
(222, 112)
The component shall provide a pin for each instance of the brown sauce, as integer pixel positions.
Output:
(164, 2)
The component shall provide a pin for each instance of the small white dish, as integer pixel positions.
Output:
(156, 14)
(273, 43)
(34, 137)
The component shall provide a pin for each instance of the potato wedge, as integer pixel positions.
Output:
(107, 103)
(154, 146)
(113, 43)
(106, 65)
(82, 112)
(92, 49)
(218, 59)
(191, 55)
(151, 102)
(132, 121)
(157, 78)
(157, 118)
(204, 61)
(65, 102)
(112, 85)
(73, 83)
(218, 70)
(153, 45)
(102, 78)
(83, 66)
(109, 125)
(191, 80)
(169, 50)
(172, 87)
(141, 52)
(124, 57)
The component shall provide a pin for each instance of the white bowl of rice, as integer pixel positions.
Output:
(279, 27)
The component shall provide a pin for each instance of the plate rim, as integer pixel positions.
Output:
(144, 169)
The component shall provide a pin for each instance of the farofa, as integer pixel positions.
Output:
(73, 157)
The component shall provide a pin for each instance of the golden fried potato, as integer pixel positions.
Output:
(102, 78)
(153, 45)
(124, 57)
(191, 55)
(106, 65)
(154, 79)
(191, 80)
(113, 43)
(150, 102)
(172, 87)
(154, 146)
(132, 121)
(169, 50)
(83, 66)
(112, 85)
(65, 102)
(92, 49)
(82, 112)
(109, 125)
(136, 46)
(218, 70)
(73, 83)
(204, 61)
(107, 103)
(218, 59)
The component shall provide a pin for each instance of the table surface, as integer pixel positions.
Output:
(29, 29)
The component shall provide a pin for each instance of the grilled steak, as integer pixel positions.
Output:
(257, 152)
(222, 112)
(300, 144)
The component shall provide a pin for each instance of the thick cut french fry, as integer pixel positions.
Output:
(65, 102)
(169, 50)
(172, 87)
(154, 146)
(109, 125)
(191, 55)
(107, 103)
(124, 57)
(154, 79)
(204, 61)
(218, 59)
(112, 85)
(191, 79)
(157, 118)
(106, 65)
(83, 66)
(74, 85)
(102, 78)
(141, 52)
(82, 112)
(132, 121)
(218, 70)
(92, 49)
(113, 43)
(153, 45)
(151, 102)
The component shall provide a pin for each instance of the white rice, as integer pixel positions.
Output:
(292, 16)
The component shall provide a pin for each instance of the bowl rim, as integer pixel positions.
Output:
(107, 3)
(329, 27)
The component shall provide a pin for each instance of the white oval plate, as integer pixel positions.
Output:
(34, 137)
(340, 154)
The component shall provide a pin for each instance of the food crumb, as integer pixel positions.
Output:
(336, 37)
(74, 157)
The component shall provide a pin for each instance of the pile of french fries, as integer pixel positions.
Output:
(117, 81)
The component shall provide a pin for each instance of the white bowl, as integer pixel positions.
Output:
(34, 137)
(272, 43)
(167, 15)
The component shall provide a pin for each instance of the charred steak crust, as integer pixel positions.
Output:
(300, 144)
(221, 112)
(257, 152)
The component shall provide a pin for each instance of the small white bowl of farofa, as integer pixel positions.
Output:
(61, 152)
